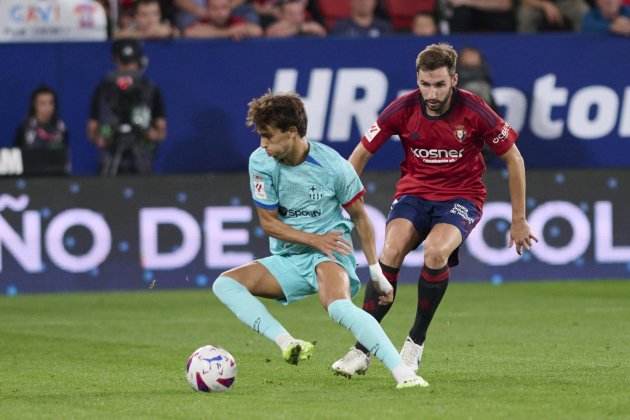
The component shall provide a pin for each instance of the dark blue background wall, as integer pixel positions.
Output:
(207, 85)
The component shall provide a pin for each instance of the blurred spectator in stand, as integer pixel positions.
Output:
(423, 24)
(220, 22)
(474, 74)
(362, 22)
(480, 15)
(244, 9)
(147, 22)
(293, 21)
(267, 11)
(608, 16)
(42, 136)
(189, 12)
(127, 119)
(125, 10)
(550, 15)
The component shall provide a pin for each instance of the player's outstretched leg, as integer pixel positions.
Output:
(253, 313)
(431, 288)
(357, 360)
(371, 335)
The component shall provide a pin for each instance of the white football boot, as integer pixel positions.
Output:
(411, 354)
(412, 382)
(354, 362)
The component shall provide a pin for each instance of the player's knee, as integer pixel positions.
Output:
(224, 284)
(435, 256)
(392, 255)
(219, 285)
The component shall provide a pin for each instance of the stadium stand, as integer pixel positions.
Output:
(402, 12)
(333, 10)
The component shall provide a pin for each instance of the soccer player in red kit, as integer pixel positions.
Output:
(440, 193)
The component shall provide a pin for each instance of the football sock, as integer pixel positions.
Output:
(366, 330)
(249, 310)
(431, 287)
(370, 302)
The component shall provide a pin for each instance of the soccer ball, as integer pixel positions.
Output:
(211, 369)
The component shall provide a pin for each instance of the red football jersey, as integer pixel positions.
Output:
(442, 155)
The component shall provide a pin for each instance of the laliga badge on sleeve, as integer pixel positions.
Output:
(259, 187)
(372, 132)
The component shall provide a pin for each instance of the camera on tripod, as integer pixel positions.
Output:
(129, 150)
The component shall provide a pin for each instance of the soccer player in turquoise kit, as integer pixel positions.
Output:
(440, 193)
(299, 188)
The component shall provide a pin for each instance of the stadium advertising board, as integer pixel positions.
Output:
(52, 20)
(68, 234)
(568, 95)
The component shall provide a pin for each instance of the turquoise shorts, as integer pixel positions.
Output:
(296, 273)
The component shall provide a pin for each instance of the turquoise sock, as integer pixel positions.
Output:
(247, 308)
(366, 330)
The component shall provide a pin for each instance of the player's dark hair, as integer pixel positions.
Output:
(281, 111)
(435, 56)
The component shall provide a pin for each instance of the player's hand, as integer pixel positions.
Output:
(381, 284)
(521, 236)
(330, 242)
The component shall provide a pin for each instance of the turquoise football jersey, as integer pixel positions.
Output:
(309, 196)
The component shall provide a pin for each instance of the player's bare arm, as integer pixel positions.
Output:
(359, 158)
(520, 233)
(365, 230)
(326, 243)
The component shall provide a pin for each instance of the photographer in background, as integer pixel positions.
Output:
(127, 119)
(474, 74)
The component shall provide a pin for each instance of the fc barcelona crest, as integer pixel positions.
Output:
(460, 133)
(314, 193)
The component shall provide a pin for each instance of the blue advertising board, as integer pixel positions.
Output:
(91, 233)
(568, 95)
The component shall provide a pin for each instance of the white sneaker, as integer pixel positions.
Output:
(354, 362)
(411, 354)
(412, 382)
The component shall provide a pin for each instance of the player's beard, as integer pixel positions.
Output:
(439, 107)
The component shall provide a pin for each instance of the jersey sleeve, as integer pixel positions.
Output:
(264, 191)
(348, 186)
(496, 132)
(382, 130)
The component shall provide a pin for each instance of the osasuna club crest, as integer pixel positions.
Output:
(460, 133)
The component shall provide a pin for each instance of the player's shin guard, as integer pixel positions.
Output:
(366, 330)
(247, 308)
(431, 288)
(370, 301)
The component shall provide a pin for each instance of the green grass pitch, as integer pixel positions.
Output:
(526, 350)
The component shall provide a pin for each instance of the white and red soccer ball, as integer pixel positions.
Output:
(211, 369)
